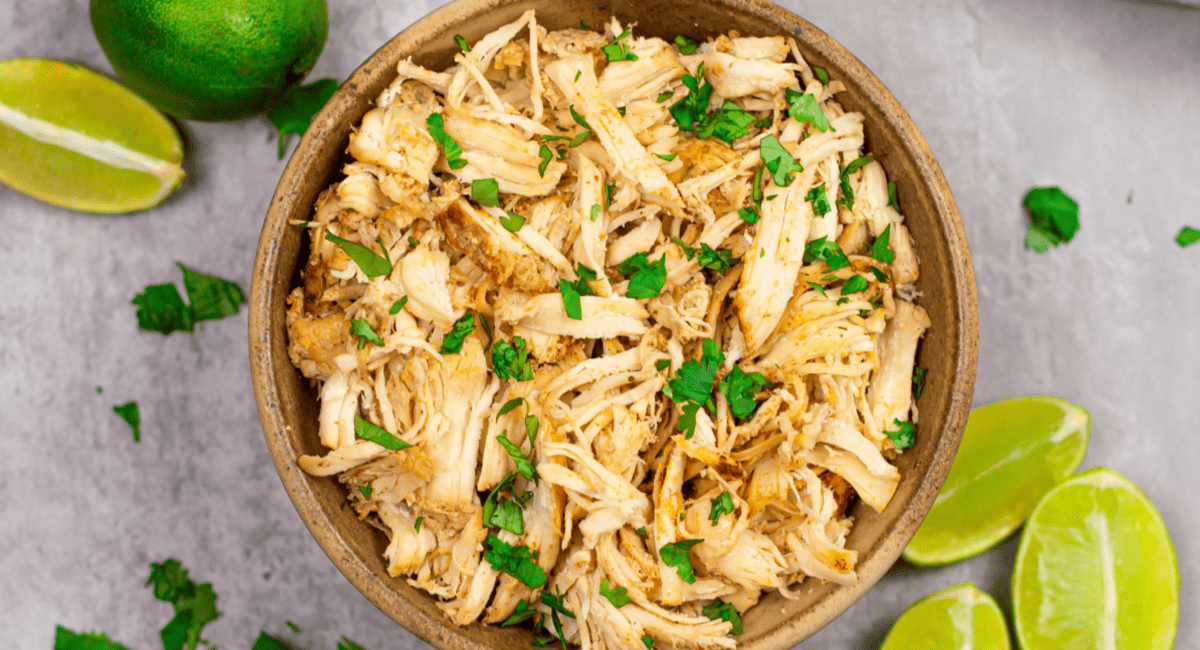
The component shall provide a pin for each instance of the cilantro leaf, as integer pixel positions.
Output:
(195, 605)
(505, 515)
(511, 360)
(664, 96)
(296, 110)
(615, 595)
(903, 437)
(617, 51)
(486, 192)
(667, 156)
(365, 333)
(523, 612)
(819, 288)
(677, 555)
(347, 644)
(685, 44)
(694, 379)
(720, 505)
(739, 388)
(516, 561)
(377, 434)
(366, 490)
(508, 406)
(371, 263)
(779, 161)
(687, 419)
(720, 260)
(1054, 215)
(820, 201)
(880, 249)
(585, 273)
(129, 412)
(65, 639)
(512, 222)
(267, 642)
(452, 342)
(893, 202)
(728, 123)
(1187, 236)
(161, 309)
(821, 74)
(648, 641)
(437, 131)
(804, 108)
(210, 297)
(646, 278)
(858, 163)
(570, 298)
(531, 428)
(525, 466)
(826, 251)
(555, 603)
(844, 180)
(546, 155)
(579, 118)
(662, 364)
(749, 215)
(691, 112)
(879, 275)
(412, 241)
(595, 211)
(855, 284)
(462, 43)
(723, 611)
(918, 381)
(417, 524)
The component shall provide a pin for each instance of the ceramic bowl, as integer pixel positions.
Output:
(288, 407)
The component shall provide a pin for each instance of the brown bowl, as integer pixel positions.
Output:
(288, 408)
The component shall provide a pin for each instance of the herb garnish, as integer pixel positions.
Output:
(615, 595)
(129, 412)
(522, 613)
(65, 639)
(617, 51)
(844, 179)
(782, 165)
(820, 201)
(462, 43)
(161, 309)
(525, 466)
(486, 192)
(516, 561)
(664, 96)
(804, 108)
(723, 611)
(372, 264)
(512, 222)
(677, 555)
(1187, 236)
(692, 385)
(646, 278)
(855, 284)
(720, 505)
(366, 490)
(719, 260)
(1054, 216)
(918, 381)
(452, 342)
(377, 434)
(879, 248)
(437, 131)
(546, 156)
(571, 291)
(685, 44)
(365, 333)
(826, 251)
(504, 513)
(903, 437)
(739, 388)
(195, 604)
(821, 74)
(511, 360)
(398, 305)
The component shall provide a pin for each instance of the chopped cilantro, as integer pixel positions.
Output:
(452, 342)
(417, 524)
(412, 241)
(728, 123)
(267, 642)
(820, 201)
(1187, 236)
(522, 613)
(511, 360)
(371, 263)
(161, 308)
(1054, 217)
(617, 51)
(510, 405)
(195, 604)
(893, 202)
(648, 641)
(723, 611)
(570, 298)
(525, 466)
(531, 428)
(685, 44)
(512, 222)
(347, 644)
(779, 161)
(578, 74)
(664, 96)
(366, 490)
(555, 603)
(546, 156)
(129, 412)
(595, 211)
(295, 112)
(667, 156)
(398, 305)
(486, 192)
(826, 251)
(763, 123)
(646, 278)
(691, 112)
(819, 288)
(880, 250)
(453, 151)
(516, 561)
(210, 297)
(903, 437)
(843, 300)
(579, 118)
(720, 505)
(585, 272)
(580, 139)
(642, 531)
(749, 215)
(740, 388)
(677, 555)
(918, 381)
(293, 627)
(692, 385)
(503, 513)
(615, 595)
(855, 284)
(377, 434)
(844, 180)
(608, 192)
(662, 364)
(720, 260)
(65, 639)
(462, 43)
(879, 275)
(821, 74)
(365, 333)
(804, 108)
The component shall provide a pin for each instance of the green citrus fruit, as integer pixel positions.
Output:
(1011, 453)
(958, 618)
(77, 139)
(211, 59)
(1096, 569)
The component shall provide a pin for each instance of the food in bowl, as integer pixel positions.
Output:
(610, 332)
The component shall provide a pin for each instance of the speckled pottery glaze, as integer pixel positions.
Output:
(288, 407)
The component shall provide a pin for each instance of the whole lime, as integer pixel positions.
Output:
(211, 59)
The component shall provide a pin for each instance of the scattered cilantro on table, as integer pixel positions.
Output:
(296, 111)
(161, 309)
(1187, 236)
(195, 604)
(1054, 218)
(267, 642)
(65, 639)
(129, 412)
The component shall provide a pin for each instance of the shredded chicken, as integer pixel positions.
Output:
(564, 255)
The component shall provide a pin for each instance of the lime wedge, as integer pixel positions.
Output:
(958, 618)
(79, 140)
(1096, 569)
(1011, 453)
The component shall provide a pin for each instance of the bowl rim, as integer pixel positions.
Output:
(886, 550)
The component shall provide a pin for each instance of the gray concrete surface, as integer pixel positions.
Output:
(1100, 97)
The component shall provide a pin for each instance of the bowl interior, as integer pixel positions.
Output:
(288, 405)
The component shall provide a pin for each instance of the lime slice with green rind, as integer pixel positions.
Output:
(79, 140)
(1096, 569)
(1011, 453)
(958, 618)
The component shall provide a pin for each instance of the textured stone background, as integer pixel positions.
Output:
(1098, 96)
